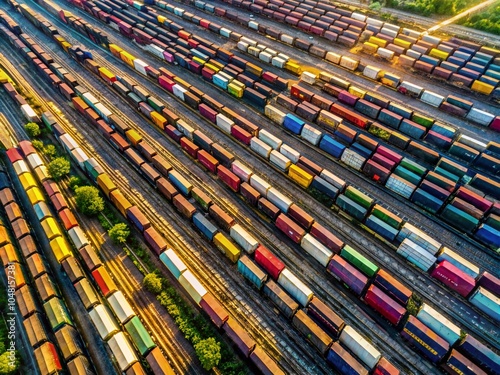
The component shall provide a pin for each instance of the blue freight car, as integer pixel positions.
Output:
(208, 229)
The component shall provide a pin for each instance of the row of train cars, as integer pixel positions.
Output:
(463, 63)
(458, 274)
(389, 79)
(121, 343)
(430, 189)
(285, 279)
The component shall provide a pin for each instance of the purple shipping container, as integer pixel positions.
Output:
(490, 282)
(208, 112)
(347, 98)
(349, 275)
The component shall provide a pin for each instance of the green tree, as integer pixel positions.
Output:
(32, 129)
(6, 367)
(50, 151)
(208, 351)
(37, 144)
(74, 182)
(59, 167)
(152, 283)
(375, 6)
(88, 200)
(119, 233)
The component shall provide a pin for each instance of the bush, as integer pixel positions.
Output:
(59, 167)
(152, 282)
(32, 129)
(74, 182)
(88, 200)
(208, 351)
(119, 233)
(5, 364)
(50, 151)
(37, 144)
(375, 6)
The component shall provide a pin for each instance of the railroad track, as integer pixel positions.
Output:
(171, 348)
(464, 319)
(383, 338)
(453, 236)
(443, 88)
(241, 312)
(144, 303)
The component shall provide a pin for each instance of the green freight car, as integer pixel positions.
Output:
(56, 313)
(413, 166)
(387, 217)
(140, 337)
(359, 261)
(362, 199)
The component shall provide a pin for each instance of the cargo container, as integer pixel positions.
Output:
(47, 359)
(135, 215)
(385, 305)
(194, 288)
(458, 363)
(392, 287)
(425, 340)
(487, 302)
(251, 272)
(439, 324)
(228, 177)
(120, 306)
(173, 263)
(57, 314)
(122, 351)
(290, 228)
(489, 282)
(314, 334)
(359, 261)
(480, 354)
(347, 274)
(359, 346)
(343, 362)
(239, 337)
(242, 238)
(416, 255)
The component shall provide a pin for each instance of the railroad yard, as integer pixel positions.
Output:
(246, 187)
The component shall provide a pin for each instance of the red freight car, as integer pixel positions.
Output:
(14, 155)
(454, 278)
(290, 228)
(326, 237)
(384, 305)
(26, 148)
(475, 199)
(349, 115)
(189, 147)
(300, 216)
(104, 281)
(229, 178)
(241, 134)
(208, 112)
(384, 367)
(301, 93)
(269, 262)
(389, 154)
